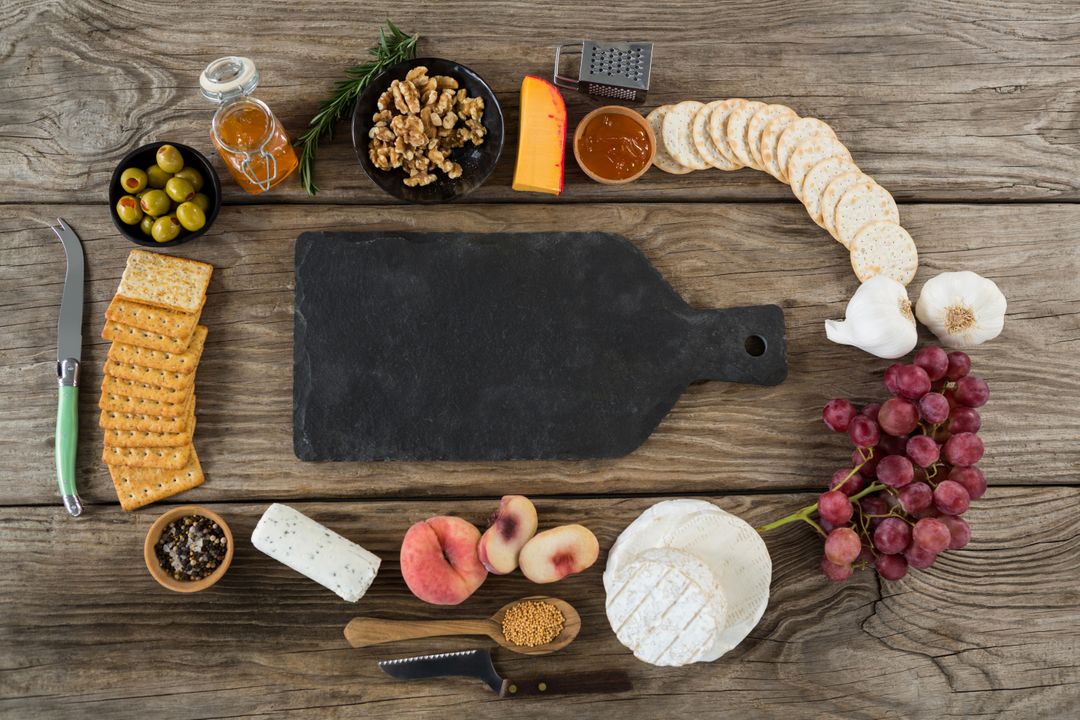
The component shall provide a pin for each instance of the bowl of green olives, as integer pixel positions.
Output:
(164, 194)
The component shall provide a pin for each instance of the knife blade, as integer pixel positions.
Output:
(68, 357)
(478, 664)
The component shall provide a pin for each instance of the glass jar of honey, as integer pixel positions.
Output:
(250, 140)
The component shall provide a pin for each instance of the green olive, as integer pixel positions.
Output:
(128, 210)
(179, 189)
(133, 180)
(202, 201)
(156, 177)
(193, 175)
(169, 159)
(147, 224)
(191, 216)
(165, 229)
(155, 203)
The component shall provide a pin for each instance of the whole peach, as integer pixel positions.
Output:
(439, 560)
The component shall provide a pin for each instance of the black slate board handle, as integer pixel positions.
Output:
(743, 344)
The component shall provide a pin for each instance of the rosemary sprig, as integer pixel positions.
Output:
(393, 47)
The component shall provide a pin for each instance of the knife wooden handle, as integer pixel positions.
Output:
(603, 681)
(365, 631)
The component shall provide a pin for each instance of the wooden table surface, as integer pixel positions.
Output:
(969, 112)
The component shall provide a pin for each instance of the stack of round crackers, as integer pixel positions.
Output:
(801, 152)
(148, 392)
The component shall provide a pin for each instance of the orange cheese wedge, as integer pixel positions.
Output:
(542, 140)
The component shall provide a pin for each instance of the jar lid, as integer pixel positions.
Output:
(228, 77)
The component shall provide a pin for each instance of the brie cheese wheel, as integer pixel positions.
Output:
(666, 607)
(338, 564)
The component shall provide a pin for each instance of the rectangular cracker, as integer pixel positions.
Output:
(159, 321)
(165, 458)
(118, 332)
(145, 438)
(184, 362)
(150, 376)
(114, 386)
(112, 420)
(142, 406)
(165, 281)
(136, 487)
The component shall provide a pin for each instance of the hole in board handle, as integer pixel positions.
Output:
(754, 345)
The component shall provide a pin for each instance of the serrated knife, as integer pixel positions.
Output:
(68, 357)
(477, 663)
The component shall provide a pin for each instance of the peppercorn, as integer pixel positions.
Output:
(191, 548)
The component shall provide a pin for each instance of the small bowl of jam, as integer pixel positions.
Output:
(188, 549)
(614, 145)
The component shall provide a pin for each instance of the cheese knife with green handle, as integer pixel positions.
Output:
(68, 356)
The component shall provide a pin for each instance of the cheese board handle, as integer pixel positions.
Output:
(366, 631)
(741, 344)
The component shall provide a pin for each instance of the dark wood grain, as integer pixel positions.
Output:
(937, 100)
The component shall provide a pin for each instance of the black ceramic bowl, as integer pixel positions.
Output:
(142, 158)
(477, 162)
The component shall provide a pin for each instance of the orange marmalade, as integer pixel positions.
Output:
(614, 146)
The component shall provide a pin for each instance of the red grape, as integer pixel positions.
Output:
(922, 450)
(895, 471)
(835, 507)
(863, 432)
(934, 408)
(847, 485)
(919, 558)
(837, 414)
(843, 546)
(915, 497)
(959, 365)
(964, 419)
(892, 445)
(971, 478)
(898, 417)
(892, 375)
(934, 361)
(869, 467)
(871, 411)
(951, 498)
(892, 536)
(959, 531)
(964, 449)
(912, 382)
(835, 572)
(972, 391)
(930, 534)
(891, 567)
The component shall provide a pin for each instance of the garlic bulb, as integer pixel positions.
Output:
(877, 319)
(963, 309)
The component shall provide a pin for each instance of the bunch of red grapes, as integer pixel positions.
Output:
(912, 473)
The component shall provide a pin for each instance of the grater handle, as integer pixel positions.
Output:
(561, 80)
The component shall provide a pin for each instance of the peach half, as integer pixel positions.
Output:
(439, 560)
(558, 552)
(512, 525)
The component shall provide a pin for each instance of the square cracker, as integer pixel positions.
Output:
(114, 386)
(136, 487)
(171, 323)
(119, 332)
(112, 420)
(165, 281)
(184, 362)
(142, 406)
(151, 376)
(165, 458)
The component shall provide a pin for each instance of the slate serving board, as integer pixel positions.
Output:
(425, 346)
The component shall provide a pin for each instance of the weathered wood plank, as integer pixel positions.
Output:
(937, 100)
(719, 437)
(84, 632)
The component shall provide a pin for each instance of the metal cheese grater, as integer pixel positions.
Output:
(608, 70)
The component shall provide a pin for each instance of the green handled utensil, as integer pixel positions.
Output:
(68, 356)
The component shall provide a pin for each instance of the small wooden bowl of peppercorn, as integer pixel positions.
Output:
(188, 548)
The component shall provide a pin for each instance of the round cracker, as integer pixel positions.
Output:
(662, 158)
(735, 131)
(703, 139)
(819, 177)
(718, 127)
(884, 248)
(809, 154)
(755, 126)
(833, 192)
(794, 135)
(677, 130)
(767, 147)
(863, 203)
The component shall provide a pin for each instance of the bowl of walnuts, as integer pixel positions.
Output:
(428, 130)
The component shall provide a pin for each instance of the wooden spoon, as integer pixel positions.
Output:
(365, 631)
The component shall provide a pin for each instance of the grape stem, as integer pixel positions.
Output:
(805, 513)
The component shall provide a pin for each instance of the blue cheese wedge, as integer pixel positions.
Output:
(294, 539)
